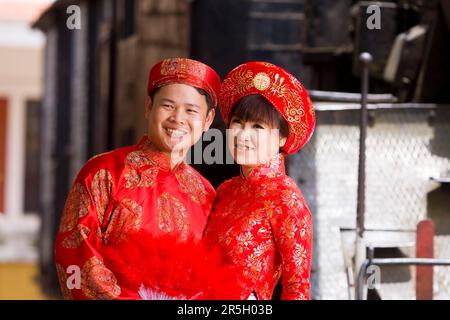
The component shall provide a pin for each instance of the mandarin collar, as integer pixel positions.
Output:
(271, 169)
(159, 158)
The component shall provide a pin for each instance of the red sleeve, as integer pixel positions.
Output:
(81, 271)
(292, 228)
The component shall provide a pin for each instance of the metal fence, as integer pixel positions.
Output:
(406, 145)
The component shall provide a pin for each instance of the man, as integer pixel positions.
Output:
(145, 186)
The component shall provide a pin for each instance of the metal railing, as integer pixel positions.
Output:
(392, 261)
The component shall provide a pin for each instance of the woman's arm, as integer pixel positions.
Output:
(293, 232)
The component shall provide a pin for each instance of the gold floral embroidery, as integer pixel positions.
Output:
(277, 273)
(181, 65)
(97, 281)
(225, 238)
(98, 232)
(256, 220)
(289, 183)
(306, 229)
(270, 208)
(267, 64)
(278, 87)
(262, 248)
(62, 277)
(125, 218)
(295, 111)
(291, 199)
(137, 159)
(239, 83)
(299, 256)
(245, 239)
(144, 179)
(74, 239)
(76, 207)
(294, 107)
(245, 188)
(172, 215)
(312, 113)
(192, 185)
(304, 294)
(271, 186)
(294, 284)
(264, 232)
(298, 139)
(101, 187)
(261, 81)
(254, 264)
(288, 229)
(134, 176)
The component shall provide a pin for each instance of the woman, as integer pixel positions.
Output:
(260, 219)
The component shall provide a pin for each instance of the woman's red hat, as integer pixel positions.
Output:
(281, 89)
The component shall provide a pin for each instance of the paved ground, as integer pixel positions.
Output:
(18, 282)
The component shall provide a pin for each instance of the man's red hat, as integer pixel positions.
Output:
(185, 71)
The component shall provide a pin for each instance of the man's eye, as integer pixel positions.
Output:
(168, 106)
(192, 111)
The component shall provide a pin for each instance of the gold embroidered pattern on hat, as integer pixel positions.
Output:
(261, 81)
(177, 65)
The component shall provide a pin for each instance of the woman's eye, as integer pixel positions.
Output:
(258, 126)
(238, 121)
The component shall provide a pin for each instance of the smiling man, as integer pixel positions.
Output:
(145, 186)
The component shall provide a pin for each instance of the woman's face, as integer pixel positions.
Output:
(253, 143)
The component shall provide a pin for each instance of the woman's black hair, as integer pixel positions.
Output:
(256, 108)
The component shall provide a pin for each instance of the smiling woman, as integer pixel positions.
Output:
(260, 219)
(256, 108)
(256, 132)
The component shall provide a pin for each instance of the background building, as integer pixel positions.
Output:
(21, 65)
(95, 88)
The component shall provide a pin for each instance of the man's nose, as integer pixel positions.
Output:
(178, 115)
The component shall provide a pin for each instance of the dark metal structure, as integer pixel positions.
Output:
(393, 262)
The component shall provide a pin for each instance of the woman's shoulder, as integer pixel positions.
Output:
(290, 196)
(285, 182)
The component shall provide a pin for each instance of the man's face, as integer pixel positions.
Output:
(177, 117)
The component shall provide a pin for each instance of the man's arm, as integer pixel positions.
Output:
(81, 271)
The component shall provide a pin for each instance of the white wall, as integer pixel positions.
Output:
(21, 63)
